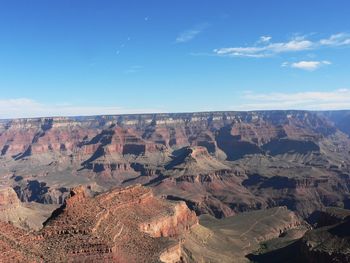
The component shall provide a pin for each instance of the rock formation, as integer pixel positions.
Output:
(122, 225)
(8, 198)
(330, 242)
(221, 163)
(24, 215)
(221, 240)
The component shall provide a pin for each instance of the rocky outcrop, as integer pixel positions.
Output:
(172, 254)
(233, 145)
(107, 228)
(23, 215)
(9, 250)
(8, 198)
(36, 191)
(180, 221)
(329, 243)
(236, 236)
(341, 119)
(329, 216)
(283, 146)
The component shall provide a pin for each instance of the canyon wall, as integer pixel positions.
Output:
(219, 163)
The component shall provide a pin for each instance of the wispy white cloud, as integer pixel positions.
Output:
(28, 108)
(307, 65)
(308, 100)
(190, 34)
(187, 35)
(340, 39)
(265, 48)
(264, 39)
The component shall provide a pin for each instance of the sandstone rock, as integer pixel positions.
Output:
(180, 221)
(207, 159)
(8, 198)
(106, 228)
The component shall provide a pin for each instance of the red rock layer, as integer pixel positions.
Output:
(107, 228)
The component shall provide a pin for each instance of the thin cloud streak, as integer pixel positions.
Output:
(265, 48)
(27, 108)
(190, 34)
(310, 100)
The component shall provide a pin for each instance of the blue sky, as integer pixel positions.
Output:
(109, 57)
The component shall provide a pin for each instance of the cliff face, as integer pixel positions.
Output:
(217, 162)
(341, 119)
(137, 134)
(132, 225)
(180, 221)
(109, 227)
(330, 242)
(23, 215)
(8, 198)
(234, 237)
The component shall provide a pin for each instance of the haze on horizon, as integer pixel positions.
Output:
(65, 58)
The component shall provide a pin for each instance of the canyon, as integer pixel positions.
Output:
(178, 183)
(133, 225)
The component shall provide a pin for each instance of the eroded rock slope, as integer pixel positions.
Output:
(221, 163)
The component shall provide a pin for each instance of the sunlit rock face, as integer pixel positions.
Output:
(8, 198)
(122, 225)
(221, 163)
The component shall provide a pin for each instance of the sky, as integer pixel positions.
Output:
(90, 57)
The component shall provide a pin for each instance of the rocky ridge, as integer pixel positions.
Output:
(117, 226)
(132, 225)
(219, 163)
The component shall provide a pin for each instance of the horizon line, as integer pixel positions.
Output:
(166, 113)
